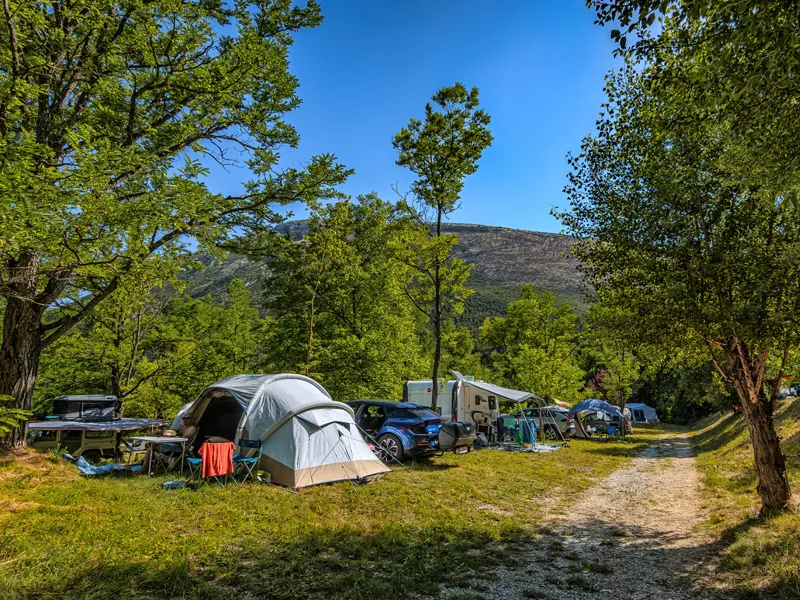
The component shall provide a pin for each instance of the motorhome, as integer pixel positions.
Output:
(465, 399)
(421, 394)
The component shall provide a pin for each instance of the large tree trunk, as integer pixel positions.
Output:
(746, 374)
(19, 359)
(770, 462)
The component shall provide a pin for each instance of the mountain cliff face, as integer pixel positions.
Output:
(504, 259)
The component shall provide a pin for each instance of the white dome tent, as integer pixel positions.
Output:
(641, 413)
(307, 438)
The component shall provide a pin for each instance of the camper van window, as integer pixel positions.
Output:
(95, 435)
(71, 437)
(492, 403)
(45, 436)
(478, 400)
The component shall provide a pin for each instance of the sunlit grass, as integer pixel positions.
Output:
(760, 556)
(65, 536)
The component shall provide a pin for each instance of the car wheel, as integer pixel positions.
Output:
(390, 448)
(550, 432)
(92, 457)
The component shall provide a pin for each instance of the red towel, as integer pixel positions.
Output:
(217, 458)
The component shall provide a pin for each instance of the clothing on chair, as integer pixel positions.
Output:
(217, 458)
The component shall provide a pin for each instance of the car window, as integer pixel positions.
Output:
(373, 411)
(399, 413)
(96, 435)
(45, 436)
(423, 413)
(71, 437)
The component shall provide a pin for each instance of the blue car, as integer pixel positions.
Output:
(399, 429)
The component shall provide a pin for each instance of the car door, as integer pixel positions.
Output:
(372, 418)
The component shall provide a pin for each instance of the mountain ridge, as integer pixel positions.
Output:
(505, 259)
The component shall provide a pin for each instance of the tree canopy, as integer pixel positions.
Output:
(109, 112)
(701, 253)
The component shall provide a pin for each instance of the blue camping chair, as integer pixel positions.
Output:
(247, 464)
(195, 464)
(611, 431)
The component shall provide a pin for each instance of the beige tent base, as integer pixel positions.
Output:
(322, 474)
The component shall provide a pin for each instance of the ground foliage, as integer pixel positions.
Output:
(63, 536)
(760, 555)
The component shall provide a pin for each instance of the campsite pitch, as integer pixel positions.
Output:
(445, 520)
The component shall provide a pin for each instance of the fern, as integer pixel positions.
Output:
(11, 416)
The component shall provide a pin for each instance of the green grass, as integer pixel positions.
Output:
(760, 556)
(64, 536)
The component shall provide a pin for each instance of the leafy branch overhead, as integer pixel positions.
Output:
(111, 115)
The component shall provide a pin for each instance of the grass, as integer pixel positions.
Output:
(65, 536)
(760, 556)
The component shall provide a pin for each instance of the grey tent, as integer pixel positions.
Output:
(641, 413)
(307, 438)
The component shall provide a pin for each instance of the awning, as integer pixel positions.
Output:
(507, 393)
(118, 425)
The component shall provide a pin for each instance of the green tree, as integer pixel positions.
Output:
(441, 151)
(145, 347)
(533, 347)
(737, 59)
(106, 110)
(337, 298)
(10, 417)
(611, 355)
(702, 254)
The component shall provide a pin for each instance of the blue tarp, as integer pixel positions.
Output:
(86, 469)
(597, 406)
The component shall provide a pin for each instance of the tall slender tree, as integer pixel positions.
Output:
(106, 109)
(442, 151)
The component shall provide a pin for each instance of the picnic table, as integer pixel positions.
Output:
(154, 442)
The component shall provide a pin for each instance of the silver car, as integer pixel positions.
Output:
(556, 422)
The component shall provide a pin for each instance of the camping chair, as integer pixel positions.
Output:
(611, 431)
(247, 465)
(195, 465)
(134, 450)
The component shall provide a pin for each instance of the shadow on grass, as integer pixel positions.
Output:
(758, 545)
(325, 563)
(721, 434)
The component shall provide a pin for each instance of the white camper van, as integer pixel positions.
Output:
(465, 399)
(421, 394)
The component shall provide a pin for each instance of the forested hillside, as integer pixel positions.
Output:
(504, 260)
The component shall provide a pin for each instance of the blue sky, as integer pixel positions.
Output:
(373, 64)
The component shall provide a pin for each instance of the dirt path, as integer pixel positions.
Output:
(634, 535)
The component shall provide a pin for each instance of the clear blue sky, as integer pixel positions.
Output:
(373, 64)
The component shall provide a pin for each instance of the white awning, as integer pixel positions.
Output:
(507, 393)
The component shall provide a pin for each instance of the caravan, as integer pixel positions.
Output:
(466, 400)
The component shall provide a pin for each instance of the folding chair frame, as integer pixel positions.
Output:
(249, 464)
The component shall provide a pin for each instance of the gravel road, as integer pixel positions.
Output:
(633, 536)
